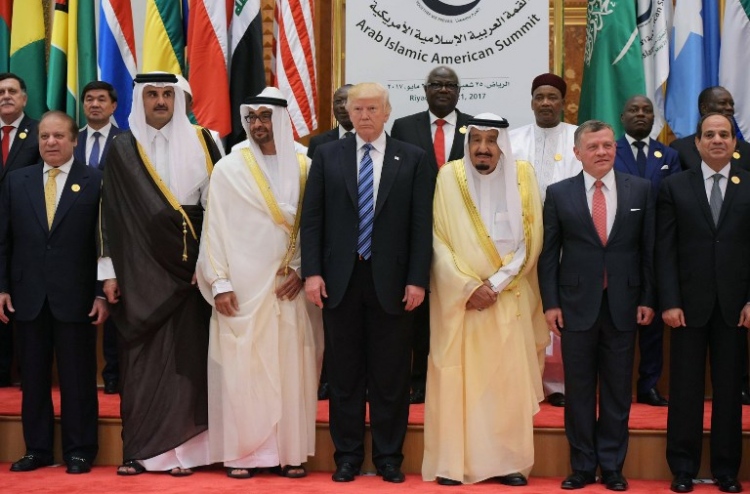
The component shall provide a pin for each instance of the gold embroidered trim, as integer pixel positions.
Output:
(523, 168)
(202, 140)
(485, 241)
(273, 205)
(170, 198)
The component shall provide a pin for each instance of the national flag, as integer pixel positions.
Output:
(27, 54)
(6, 17)
(72, 57)
(613, 63)
(164, 37)
(247, 75)
(654, 19)
(294, 65)
(693, 55)
(733, 68)
(208, 49)
(117, 59)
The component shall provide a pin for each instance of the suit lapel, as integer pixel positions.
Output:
(80, 150)
(19, 142)
(622, 184)
(424, 130)
(654, 163)
(457, 149)
(348, 157)
(78, 176)
(34, 184)
(626, 157)
(580, 203)
(391, 163)
(699, 189)
(729, 195)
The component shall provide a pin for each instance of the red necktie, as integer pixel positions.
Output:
(6, 142)
(439, 142)
(599, 215)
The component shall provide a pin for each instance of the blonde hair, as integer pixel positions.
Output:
(368, 90)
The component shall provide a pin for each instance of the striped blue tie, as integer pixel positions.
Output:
(366, 204)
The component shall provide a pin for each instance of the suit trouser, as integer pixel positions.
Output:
(368, 354)
(74, 346)
(601, 353)
(688, 348)
(651, 349)
(6, 352)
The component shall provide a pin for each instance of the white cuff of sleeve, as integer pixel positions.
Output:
(222, 285)
(106, 271)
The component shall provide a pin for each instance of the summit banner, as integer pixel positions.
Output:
(496, 48)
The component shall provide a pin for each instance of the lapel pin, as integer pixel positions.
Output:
(735, 180)
(75, 187)
(657, 154)
(462, 130)
(22, 135)
(558, 157)
(736, 155)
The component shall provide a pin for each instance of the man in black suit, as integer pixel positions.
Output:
(99, 103)
(343, 129)
(596, 281)
(438, 131)
(639, 155)
(48, 220)
(703, 272)
(366, 236)
(714, 99)
(19, 148)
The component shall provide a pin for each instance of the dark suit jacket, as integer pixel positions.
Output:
(402, 229)
(689, 157)
(697, 262)
(315, 141)
(573, 281)
(657, 168)
(25, 150)
(79, 153)
(57, 264)
(415, 129)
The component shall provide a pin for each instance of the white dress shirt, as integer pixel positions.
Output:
(61, 178)
(609, 189)
(708, 179)
(377, 153)
(104, 131)
(633, 149)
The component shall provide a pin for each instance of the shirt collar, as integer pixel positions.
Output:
(15, 123)
(104, 131)
(378, 143)
(343, 131)
(608, 180)
(165, 131)
(631, 140)
(708, 172)
(450, 118)
(64, 168)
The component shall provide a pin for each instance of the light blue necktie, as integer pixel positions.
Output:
(366, 204)
(94, 156)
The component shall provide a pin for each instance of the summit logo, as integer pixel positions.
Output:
(450, 8)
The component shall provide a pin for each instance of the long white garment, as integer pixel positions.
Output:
(550, 151)
(262, 370)
(557, 160)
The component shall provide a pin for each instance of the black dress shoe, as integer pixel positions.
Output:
(614, 481)
(30, 462)
(745, 396)
(577, 480)
(513, 479)
(417, 396)
(323, 391)
(76, 464)
(556, 399)
(653, 398)
(727, 483)
(345, 472)
(444, 481)
(110, 387)
(682, 482)
(391, 473)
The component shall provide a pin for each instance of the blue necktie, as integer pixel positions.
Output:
(366, 204)
(640, 158)
(94, 156)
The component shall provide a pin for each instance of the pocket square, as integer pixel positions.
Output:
(635, 209)
(665, 167)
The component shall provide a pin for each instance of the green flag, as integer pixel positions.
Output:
(27, 58)
(612, 63)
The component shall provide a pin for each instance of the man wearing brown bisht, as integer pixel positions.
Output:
(154, 192)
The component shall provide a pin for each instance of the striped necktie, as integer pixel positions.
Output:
(366, 204)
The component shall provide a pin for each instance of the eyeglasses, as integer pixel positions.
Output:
(437, 86)
(264, 117)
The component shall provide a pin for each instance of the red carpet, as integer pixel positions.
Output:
(103, 479)
(642, 417)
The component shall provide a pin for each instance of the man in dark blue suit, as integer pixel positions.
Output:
(596, 280)
(99, 103)
(639, 155)
(48, 218)
(366, 236)
(19, 148)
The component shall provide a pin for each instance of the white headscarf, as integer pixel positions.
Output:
(187, 159)
(286, 188)
(506, 165)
